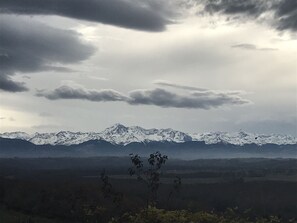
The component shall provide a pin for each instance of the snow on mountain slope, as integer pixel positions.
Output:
(242, 138)
(119, 134)
(15, 135)
(122, 135)
(63, 138)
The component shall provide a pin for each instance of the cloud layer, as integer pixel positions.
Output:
(154, 15)
(32, 47)
(248, 7)
(146, 15)
(282, 14)
(157, 97)
(68, 92)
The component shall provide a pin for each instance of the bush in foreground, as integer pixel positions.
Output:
(155, 215)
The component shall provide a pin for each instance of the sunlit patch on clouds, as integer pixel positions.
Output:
(12, 120)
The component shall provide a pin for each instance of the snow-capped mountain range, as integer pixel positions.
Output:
(122, 135)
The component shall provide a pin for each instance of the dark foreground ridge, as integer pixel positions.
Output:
(69, 190)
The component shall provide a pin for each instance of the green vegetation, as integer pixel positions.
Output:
(147, 215)
(205, 191)
(155, 215)
(150, 176)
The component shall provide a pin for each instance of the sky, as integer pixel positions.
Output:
(190, 65)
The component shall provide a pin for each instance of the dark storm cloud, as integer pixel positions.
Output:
(7, 84)
(146, 15)
(154, 15)
(31, 47)
(284, 11)
(248, 7)
(157, 97)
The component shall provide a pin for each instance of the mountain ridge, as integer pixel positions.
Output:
(119, 134)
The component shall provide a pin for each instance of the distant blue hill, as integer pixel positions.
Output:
(184, 150)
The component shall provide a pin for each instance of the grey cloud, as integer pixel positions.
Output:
(169, 84)
(67, 92)
(195, 100)
(57, 69)
(286, 14)
(157, 97)
(31, 47)
(196, 90)
(248, 46)
(267, 49)
(7, 84)
(154, 15)
(149, 15)
(249, 7)
(245, 46)
(284, 11)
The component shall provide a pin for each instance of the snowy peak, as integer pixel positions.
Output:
(122, 135)
(116, 129)
(118, 134)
